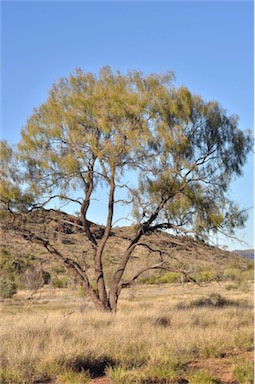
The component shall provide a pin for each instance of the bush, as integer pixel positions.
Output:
(167, 278)
(233, 274)
(206, 276)
(14, 266)
(60, 283)
(213, 300)
(240, 278)
(248, 275)
(149, 280)
(7, 288)
(230, 287)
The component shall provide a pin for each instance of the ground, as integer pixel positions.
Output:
(161, 334)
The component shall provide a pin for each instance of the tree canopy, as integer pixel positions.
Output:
(94, 129)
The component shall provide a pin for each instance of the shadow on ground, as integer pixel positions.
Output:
(96, 367)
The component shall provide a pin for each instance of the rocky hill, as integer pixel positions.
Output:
(66, 234)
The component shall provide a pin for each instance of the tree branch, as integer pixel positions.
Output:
(161, 267)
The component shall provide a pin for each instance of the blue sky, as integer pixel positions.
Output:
(209, 46)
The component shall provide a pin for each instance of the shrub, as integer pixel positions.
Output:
(213, 300)
(239, 277)
(206, 276)
(169, 277)
(14, 265)
(7, 288)
(149, 280)
(60, 283)
(230, 287)
(248, 275)
(232, 274)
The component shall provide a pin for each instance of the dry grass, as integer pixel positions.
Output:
(152, 339)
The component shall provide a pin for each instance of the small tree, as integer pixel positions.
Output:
(99, 130)
(7, 288)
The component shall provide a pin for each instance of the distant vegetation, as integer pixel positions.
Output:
(19, 271)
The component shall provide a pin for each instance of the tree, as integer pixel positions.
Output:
(95, 130)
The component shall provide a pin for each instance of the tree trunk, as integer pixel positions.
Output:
(113, 297)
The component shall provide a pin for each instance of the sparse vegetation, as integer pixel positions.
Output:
(60, 282)
(61, 338)
(243, 371)
(203, 377)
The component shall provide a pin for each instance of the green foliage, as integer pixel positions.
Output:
(11, 192)
(121, 375)
(60, 282)
(205, 276)
(169, 277)
(132, 121)
(203, 377)
(248, 275)
(165, 368)
(83, 292)
(232, 274)
(10, 376)
(231, 287)
(7, 288)
(166, 278)
(14, 265)
(239, 276)
(161, 374)
(201, 276)
(243, 371)
(149, 280)
(47, 370)
(67, 377)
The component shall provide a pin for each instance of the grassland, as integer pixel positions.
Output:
(161, 334)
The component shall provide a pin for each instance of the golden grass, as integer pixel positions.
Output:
(152, 338)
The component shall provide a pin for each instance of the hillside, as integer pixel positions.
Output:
(65, 233)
